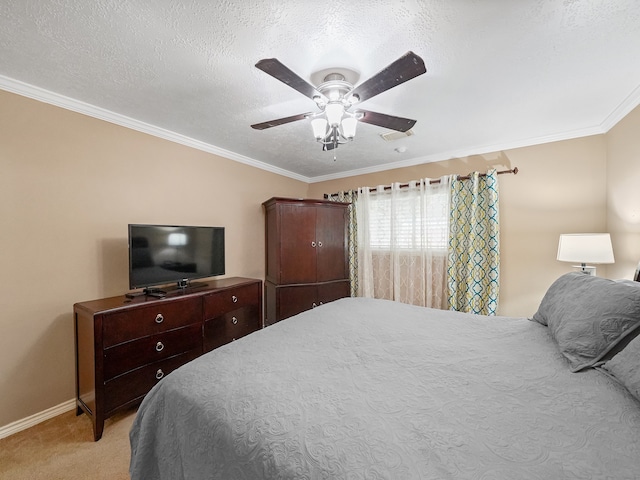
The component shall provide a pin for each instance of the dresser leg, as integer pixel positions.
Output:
(98, 427)
(97, 421)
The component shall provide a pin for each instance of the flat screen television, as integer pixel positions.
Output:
(166, 254)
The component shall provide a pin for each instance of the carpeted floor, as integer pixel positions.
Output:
(63, 448)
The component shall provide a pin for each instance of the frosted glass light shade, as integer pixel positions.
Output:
(585, 248)
(349, 127)
(319, 126)
(334, 113)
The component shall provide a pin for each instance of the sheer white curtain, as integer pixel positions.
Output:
(403, 235)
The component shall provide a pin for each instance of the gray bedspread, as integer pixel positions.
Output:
(373, 389)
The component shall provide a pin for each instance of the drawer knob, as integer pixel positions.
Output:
(313, 244)
(314, 305)
(234, 320)
(234, 299)
(159, 374)
(159, 318)
(319, 244)
(159, 347)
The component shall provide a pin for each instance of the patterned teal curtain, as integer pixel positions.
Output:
(474, 245)
(350, 197)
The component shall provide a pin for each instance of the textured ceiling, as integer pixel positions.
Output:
(500, 73)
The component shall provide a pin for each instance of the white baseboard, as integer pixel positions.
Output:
(37, 418)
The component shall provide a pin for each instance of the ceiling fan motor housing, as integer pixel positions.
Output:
(335, 89)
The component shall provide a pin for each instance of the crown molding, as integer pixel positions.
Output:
(626, 106)
(52, 98)
(46, 96)
(477, 150)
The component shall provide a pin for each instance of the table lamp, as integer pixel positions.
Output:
(585, 248)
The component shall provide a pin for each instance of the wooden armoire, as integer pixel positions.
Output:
(307, 260)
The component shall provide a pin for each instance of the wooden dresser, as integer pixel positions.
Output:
(125, 346)
(307, 262)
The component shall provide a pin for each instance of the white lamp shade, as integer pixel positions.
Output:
(334, 113)
(585, 248)
(349, 125)
(319, 126)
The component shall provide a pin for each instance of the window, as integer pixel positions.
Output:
(416, 223)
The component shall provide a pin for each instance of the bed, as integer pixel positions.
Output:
(372, 389)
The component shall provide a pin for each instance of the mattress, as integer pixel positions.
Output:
(374, 389)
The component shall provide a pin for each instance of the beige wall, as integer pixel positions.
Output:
(560, 188)
(69, 185)
(623, 199)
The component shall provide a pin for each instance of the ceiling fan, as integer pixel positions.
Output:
(336, 120)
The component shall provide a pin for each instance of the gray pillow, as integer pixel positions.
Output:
(588, 316)
(625, 367)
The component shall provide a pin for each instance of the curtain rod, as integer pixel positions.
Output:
(514, 170)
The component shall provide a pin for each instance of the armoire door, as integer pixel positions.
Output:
(331, 241)
(297, 244)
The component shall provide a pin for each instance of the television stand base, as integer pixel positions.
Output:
(192, 285)
(157, 294)
(150, 292)
(181, 288)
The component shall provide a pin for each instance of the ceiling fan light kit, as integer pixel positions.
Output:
(336, 121)
(334, 125)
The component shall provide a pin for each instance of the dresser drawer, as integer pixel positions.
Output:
(218, 303)
(230, 326)
(131, 387)
(131, 355)
(137, 322)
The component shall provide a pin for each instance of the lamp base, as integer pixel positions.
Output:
(587, 269)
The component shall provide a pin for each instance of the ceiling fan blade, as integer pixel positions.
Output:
(387, 121)
(278, 71)
(280, 121)
(405, 68)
